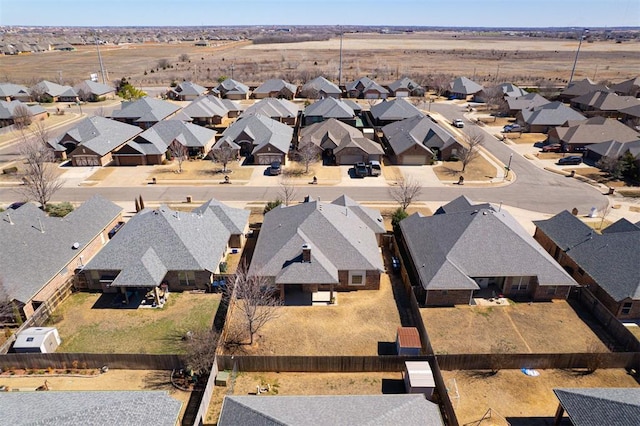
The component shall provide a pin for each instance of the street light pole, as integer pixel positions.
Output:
(575, 61)
(508, 168)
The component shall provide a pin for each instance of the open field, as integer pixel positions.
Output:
(319, 330)
(306, 384)
(548, 327)
(521, 60)
(517, 397)
(154, 331)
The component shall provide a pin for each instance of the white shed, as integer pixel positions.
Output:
(38, 340)
(418, 378)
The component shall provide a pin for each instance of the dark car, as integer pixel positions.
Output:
(360, 170)
(570, 161)
(395, 265)
(275, 169)
(554, 147)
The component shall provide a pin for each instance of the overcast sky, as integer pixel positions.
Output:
(462, 13)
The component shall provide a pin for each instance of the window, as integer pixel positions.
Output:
(187, 278)
(519, 283)
(551, 290)
(626, 308)
(29, 339)
(356, 277)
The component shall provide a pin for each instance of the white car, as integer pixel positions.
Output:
(458, 123)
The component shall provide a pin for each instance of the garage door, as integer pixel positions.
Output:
(414, 160)
(268, 158)
(350, 159)
(86, 160)
(129, 160)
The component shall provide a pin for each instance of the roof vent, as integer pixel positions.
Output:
(75, 245)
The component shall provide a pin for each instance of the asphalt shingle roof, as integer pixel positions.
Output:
(464, 86)
(10, 90)
(100, 135)
(93, 87)
(615, 149)
(319, 86)
(551, 114)
(336, 135)
(146, 110)
(600, 406)
(54, 89)
(365, 84)
(596, 130)
(330, 108)
(528, 101)
(275, 85)
(578, 88)
(404, 83)
(261, 131)
(421, 131)
(188, 88)
(31, 258)
(273, 108)
(8, 109)
(210, 106)
(605, 101)
(627, 87)
(157, 139)
(230, 86)
(397, 109)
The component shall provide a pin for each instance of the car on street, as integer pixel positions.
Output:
(458, 123)
(572, 160)
(360, 170)
(275, 169)
(554, 147)
(509, 128)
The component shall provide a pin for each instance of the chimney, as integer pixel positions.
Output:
(306, 253)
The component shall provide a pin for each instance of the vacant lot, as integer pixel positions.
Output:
(516, 396)
(155, 331)
(371, 316)
(308, 384)
(550, 327)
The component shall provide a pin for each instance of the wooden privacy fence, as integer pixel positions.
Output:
(83, 360)
(206, 396)
(326, 364)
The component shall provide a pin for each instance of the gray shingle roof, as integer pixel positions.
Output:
(146, 110)
(101, 135)
(365, 84)
(318, 87)
(156, 241)
(615, 149)
(450, 249)
(464, 86)
(578, 88)
(627, 87)
(511, 90)
(600, 406)
(54, 89)
(330, 108)
(105, 408)
(421, 131)
(188, 88)
(230, 86)
(157, 139)
(527, 101)
(551, 114)
(397, 109)
(340, 240)
(612, 258)
(336, 135)
(10, 90)
(605, 101)
(93, 87)
(338, 410)
(275, 85)
(596, 130)
(31, 258)
(273, 108)
(404, 83)
(210, 106)
(8, 109)
(261, 131)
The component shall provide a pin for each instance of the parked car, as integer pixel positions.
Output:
(395, 265)
(554, 147)
(374, 168)
(275, 169)
(458, 123)
(360, 170)
(509, 128)
(571, 160)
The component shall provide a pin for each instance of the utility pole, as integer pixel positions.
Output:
(104, 79)
(575, 61)
(232, 68)
(340, 68)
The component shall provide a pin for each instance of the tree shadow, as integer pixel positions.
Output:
(157, 380)
(481, 374)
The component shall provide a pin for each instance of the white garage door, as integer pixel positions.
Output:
(350, 159)
(414, 160)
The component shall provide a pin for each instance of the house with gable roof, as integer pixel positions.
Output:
(405, 87)
(281, 110)
(597, 406)
(528, 101)
(542, 118)
(183, 250)
(53, 92)
(604, 104)
(579, 88)
(316, 246)
(320, 88)
(186, 91)
(344, 110)
(366, 88)
(14, 92)
(608, 264)
(232, 89)
(209, 110)
(462, 87)
(463, 248)
(578, 135)
(387, 112)
(93, 91)
(630, 87)
(145, 112)
(275, 88)
(10, 112)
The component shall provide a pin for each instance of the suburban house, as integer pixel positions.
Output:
(528, 101)
(340, 143)
(209, 110)
(186, 91)
(503, 90)
(631, 115)
(417, 141)
(577, 135)
(154, 145)
(405, 87)
(462, 87)
(280, 110)
(183, 250)
(232, 89)
(597, 406)
(365, 88)
(259, 138)
(344, 110)
(41, 253)
(52, 92)
(12, 111)
(145, 112)
(14, 92)
(316, 246)
(389, 111)
(93, 140)
(383, 410)
(608, 263)
(604, 104)
(579, 88)
(319, 88)
(92, 91)
(275, 88)
(462, 249)
(629, 87)
(613, 149)
(542, 118)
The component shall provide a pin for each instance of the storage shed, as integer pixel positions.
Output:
(418, 378)
(408, 341)
(37, 340)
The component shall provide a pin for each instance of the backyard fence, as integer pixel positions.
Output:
(84, 360)
(206, 396)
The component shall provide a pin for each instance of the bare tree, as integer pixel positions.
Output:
(256, 297)
(288, 191)
(438, 83)
(179, 152)
(21, 117)
(307, 154)
(405, 190)
(471, 143)
(494, 98)
(163, 63)
(40, 178)
(200, 350)
(223, 155)
(603, 212)
(7, 309)
(183, 57)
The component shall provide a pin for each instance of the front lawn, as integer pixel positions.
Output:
(153, 331)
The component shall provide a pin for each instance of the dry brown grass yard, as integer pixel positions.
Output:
(477, 170)
(545, 327)
(517, 396)
(320, 330)
(204, 170)
(525, 138)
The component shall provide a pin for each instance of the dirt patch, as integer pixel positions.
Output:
(514, 395)
(525, 138)
(477, 170)
(319, 330)
(549, 327)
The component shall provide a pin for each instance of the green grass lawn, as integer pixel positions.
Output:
(153, 331)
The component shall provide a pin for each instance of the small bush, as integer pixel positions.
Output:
(10, 170)
(59, 210)
(271, 205)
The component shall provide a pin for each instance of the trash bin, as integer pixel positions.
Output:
(223, 267)
(611, 190)
(189, 199)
